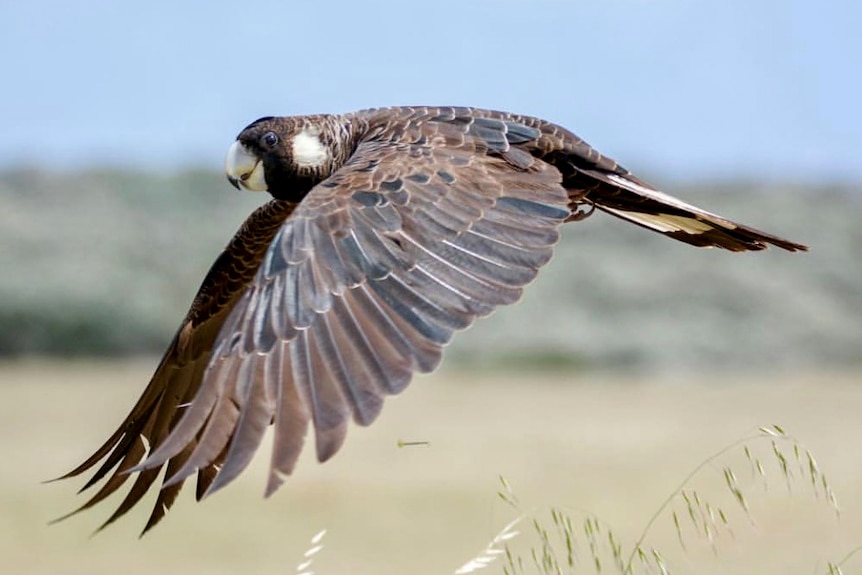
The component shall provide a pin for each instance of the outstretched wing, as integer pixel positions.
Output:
(364, 285)
(179, 375)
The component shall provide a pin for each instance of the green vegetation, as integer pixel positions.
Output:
(105, 263)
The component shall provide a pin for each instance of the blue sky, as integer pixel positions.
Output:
(681, 88)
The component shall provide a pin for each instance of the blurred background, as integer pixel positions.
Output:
(113, 126)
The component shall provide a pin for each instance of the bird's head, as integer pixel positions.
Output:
(286, 156)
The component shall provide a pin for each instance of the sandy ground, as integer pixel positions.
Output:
(612, 446)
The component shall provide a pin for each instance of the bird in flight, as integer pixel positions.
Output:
(389, 230)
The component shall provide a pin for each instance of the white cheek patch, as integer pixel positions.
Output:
(308, 150)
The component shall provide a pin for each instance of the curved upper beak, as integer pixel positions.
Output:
(244, 168)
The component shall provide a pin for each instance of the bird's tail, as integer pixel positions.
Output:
(631, 199)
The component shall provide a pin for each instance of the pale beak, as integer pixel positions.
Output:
(244, 169)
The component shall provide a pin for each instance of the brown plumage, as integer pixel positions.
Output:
(390, 230)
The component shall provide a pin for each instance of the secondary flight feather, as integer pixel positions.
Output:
(389, 230)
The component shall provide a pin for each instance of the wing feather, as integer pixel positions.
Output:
(329, 409)
(256, 405)
(363, 396)
(474, 288)
(424, 354)
(160, 411)
(385, 350)
(292, 418)
(194, 416)
(364, 366)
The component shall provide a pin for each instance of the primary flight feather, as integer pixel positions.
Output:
(390, 229)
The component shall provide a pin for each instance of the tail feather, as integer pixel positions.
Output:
(630, 199)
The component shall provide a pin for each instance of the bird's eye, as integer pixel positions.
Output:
(269, 140)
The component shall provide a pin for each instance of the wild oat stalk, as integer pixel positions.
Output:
(308, 557)
(494, 550)
(564, 544)
(835, 568)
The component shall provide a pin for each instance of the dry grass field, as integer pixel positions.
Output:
(610, 445)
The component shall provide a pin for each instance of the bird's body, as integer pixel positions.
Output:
(390, 230)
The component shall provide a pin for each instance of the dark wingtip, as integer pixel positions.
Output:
(791, 246)
(766, 240)
(47, 481)
(64, 517)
